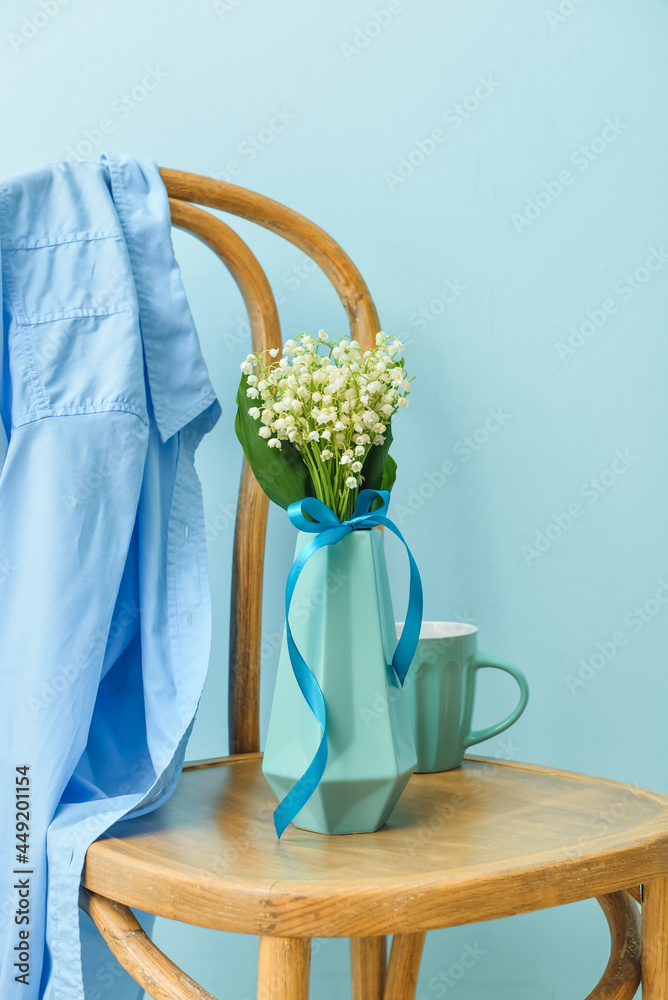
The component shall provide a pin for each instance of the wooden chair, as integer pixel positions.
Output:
(486, 840)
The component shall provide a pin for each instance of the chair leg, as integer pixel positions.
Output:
(621, 978)
(368, 959)
(284, 968)
(404, 965)
(655, 940)
(147, 965)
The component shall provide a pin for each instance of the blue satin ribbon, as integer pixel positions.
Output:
(324, 522)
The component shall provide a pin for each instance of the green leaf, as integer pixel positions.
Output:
(373, 469)
(389, 473)
(282, 474)
(379, 469)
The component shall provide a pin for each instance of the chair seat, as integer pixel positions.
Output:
(485, 840)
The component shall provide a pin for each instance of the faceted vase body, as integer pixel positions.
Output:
(343, 625)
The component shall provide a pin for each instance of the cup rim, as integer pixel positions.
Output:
(441, 630)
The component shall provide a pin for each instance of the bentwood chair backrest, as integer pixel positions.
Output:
(249, 538)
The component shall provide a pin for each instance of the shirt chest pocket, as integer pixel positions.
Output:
(82, 275)
(75, 341)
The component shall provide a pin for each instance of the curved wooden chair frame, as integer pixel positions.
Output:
(285, 962)
(164, 980)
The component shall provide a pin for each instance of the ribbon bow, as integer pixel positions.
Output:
(329, 530)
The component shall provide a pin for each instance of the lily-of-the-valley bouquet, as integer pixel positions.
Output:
(328, 405)
(315, 426)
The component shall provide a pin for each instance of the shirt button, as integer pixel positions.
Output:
(186, 531)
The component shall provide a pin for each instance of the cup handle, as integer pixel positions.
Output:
(482, 660)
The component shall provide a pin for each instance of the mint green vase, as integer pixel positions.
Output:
(342, 622)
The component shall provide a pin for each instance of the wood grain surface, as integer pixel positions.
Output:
(251, 519)
(135, 951)
(311, 239)
(368, 961)
(622, 974)
(404, 966)
(283, 969)
(655, 940)
(483, 841)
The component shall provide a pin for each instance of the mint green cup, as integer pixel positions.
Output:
(440, 694)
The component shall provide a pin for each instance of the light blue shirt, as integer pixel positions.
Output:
(104, 596)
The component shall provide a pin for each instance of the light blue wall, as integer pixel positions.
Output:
(348, 109)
